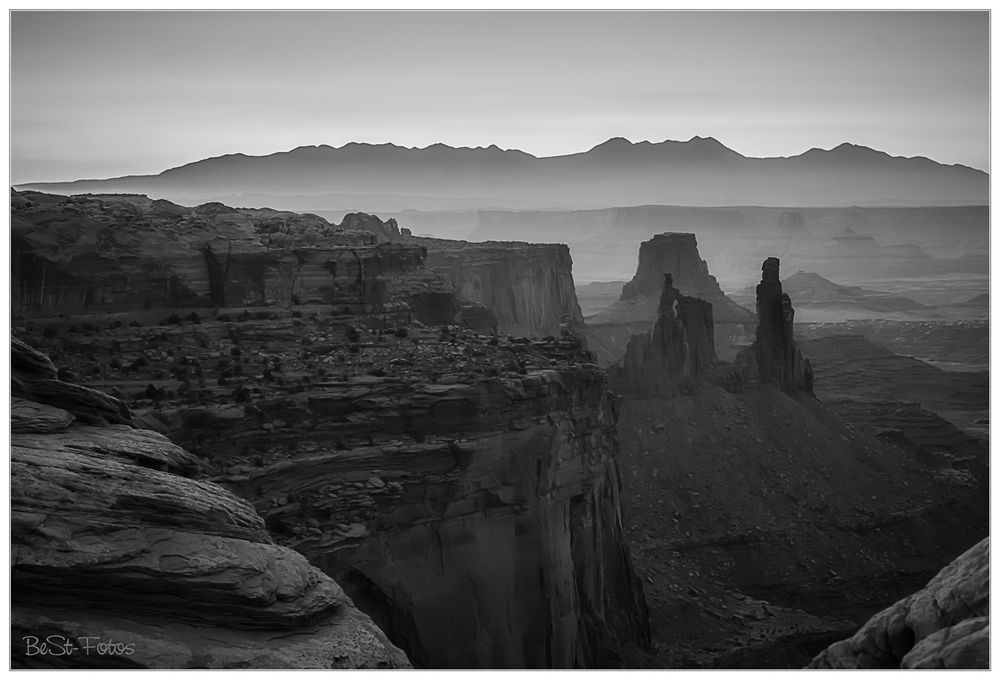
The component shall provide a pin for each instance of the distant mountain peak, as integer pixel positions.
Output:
(612, 144)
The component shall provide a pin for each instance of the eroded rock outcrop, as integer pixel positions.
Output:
(528, 286)
(680, 346)
(944, 625)
(609, 331)
(774, 358)
(778, 359)
(121, 558)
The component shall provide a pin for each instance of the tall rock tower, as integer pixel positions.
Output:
(778, 360)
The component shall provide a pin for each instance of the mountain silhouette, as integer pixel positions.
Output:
(698, 172)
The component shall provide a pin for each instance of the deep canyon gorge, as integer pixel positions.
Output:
(354, 446)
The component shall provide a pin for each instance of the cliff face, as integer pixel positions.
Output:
(609, 331)
(122, 559)
(944, 625)
(776, 358)
(121, 253)
(529, 286)
(481, 529)
(680, 346)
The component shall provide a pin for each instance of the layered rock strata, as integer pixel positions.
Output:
(944, 625)
(120, 253)
(111, 253)
(460, 483)
(680, 346)
(462, 487)
(122, 559)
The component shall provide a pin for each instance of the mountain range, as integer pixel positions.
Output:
(698, 172)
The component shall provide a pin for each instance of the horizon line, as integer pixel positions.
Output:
(694, 138)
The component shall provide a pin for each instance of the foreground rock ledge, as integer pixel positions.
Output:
(945, 625)
(120, 560)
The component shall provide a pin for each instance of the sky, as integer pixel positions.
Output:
(105, 94)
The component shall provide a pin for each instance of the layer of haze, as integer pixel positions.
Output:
(103, 94)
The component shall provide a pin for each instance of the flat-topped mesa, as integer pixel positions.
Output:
(778, 360)
(676, 253)
(680, 346)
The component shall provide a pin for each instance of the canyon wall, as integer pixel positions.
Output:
(459, 483)
(529, 286)
(476, 520)
(121, 558)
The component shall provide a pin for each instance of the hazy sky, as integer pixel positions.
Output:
(103, 94)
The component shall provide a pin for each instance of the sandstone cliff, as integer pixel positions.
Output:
(609, 331)
(944, 625)
(680, 346)
(122, 559)
(529, 286)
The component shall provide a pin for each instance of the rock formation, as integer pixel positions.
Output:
(675, 254)
(122, 559)
(113, 253)
(528, 286)
(609, 331)
(680, 346)
(944, 625)
(774, 357)
(779, 361)
(480, 526)
(120, 253)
